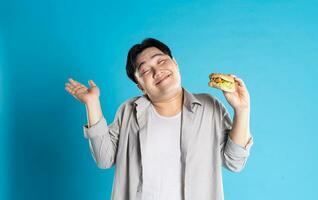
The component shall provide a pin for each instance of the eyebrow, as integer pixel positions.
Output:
(157, 54)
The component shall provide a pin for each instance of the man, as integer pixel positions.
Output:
(167, 144)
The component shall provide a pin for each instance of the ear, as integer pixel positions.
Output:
(140, 87)
(174, 60)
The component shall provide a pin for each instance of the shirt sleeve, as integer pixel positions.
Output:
(96, 129)
(103, 140)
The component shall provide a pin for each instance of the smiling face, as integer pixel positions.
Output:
(157, 74)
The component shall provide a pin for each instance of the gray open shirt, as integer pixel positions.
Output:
(205, 147)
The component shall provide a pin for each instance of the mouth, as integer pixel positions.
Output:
(157, 83)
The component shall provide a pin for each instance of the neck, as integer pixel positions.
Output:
(171, 106)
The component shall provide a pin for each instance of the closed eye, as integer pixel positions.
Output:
(146, 71)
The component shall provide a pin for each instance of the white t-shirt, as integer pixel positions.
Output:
(162, 167)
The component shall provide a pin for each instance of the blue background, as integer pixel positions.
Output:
(271, 45)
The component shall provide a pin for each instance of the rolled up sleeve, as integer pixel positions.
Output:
(103, 140)
(238, 150)
(96, 129)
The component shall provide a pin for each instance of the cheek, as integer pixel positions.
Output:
(172, 66)
(148, 81)
(175, 70)
(176, 74)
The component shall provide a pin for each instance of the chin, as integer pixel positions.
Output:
(170, 90)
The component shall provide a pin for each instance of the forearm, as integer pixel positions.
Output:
(240, 133)
(94, 112)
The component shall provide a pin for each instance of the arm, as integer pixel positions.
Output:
(103, 139)
(240, 101)
(234, 156)
(240, 133)
(239, 140)
(94, 112)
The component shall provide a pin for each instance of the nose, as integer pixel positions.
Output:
(157, 73)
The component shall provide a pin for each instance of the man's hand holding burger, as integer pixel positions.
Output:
(233, 89)
(237, 95)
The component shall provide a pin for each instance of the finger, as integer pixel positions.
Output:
(84, 86)
(80, 91)
(77, 85)
(68, 89)
(68, 85)
(72, 88)
(226, 94)
(73, 82)
(240, 81)
(75, 89)
(91, 83)
(232, 75)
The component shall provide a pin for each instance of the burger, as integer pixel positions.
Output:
(222, 81)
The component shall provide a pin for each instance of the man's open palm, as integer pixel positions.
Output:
(81, 92)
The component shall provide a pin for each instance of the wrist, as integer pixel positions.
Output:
(242, 111)
(92, 103)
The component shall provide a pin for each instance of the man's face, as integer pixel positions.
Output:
(157, 74)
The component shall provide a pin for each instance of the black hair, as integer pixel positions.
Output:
(136, 49)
